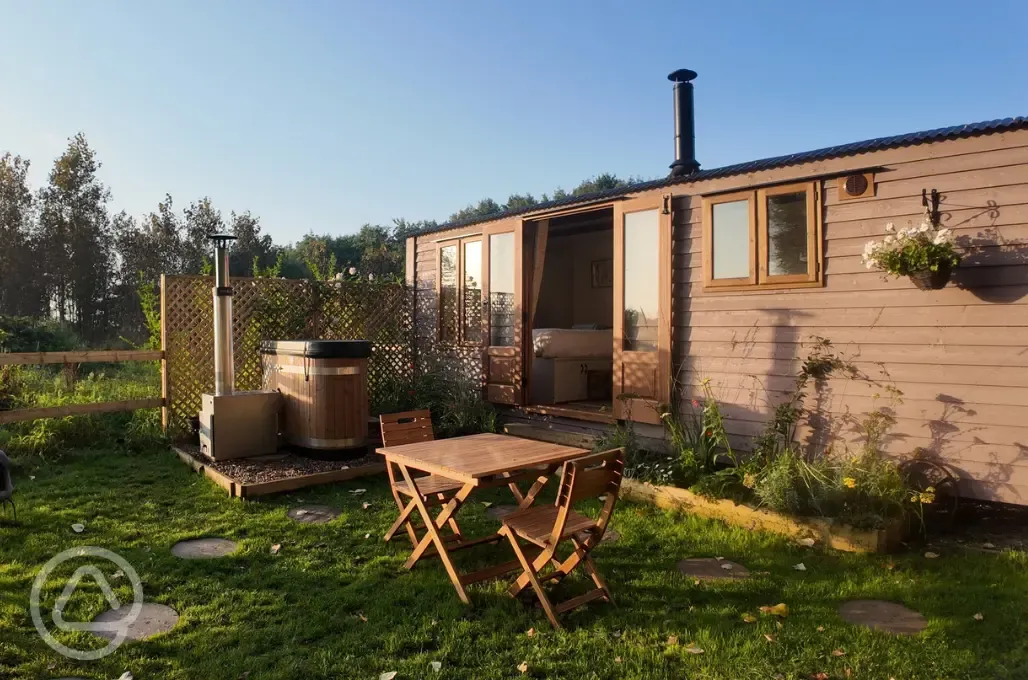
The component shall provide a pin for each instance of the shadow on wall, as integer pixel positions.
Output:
(985, 253)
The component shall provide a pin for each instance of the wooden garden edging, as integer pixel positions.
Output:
(80, 357)
(834, 534)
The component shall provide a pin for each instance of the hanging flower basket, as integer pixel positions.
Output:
(926, 279)
(924, 253)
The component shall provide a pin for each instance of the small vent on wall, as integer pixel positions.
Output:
(858, 185)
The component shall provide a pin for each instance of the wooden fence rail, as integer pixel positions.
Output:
(87, 356)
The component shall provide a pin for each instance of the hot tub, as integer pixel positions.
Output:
(324, 386)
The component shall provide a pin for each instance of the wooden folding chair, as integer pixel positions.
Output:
(547, 527)
(408, 428)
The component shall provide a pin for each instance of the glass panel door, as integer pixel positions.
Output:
(503, 274)
(642, 307)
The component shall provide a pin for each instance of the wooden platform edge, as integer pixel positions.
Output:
(315, 479)
(829, 532)
(240, 490)
(226, 483)
(540, 433)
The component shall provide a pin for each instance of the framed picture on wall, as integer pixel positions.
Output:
(603, 273)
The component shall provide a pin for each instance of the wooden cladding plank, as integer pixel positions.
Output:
(933, 355)
(87, 356)
(945, 408)
(885, 317)
(983, 337)
(747, 388)
(953, 198)
(78, 409)
(995, 376)
(831, 298)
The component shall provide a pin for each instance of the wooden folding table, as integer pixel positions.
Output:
(480, 461)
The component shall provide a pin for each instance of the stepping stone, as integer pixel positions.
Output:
(313, 514)
(204, 548)
(152, 620)
(882, 615)
(709, 569)
(500, 511)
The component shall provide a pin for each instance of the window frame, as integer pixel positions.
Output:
(460, 244)
(759, 277)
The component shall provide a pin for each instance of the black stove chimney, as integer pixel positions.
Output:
(685, 132)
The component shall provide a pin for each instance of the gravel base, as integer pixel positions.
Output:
(283, 465)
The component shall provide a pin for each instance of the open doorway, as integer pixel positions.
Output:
(571, 353)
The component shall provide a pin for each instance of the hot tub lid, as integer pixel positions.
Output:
(319, 349)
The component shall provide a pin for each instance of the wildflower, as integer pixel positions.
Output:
(890, 227)
(925, 226)
(352, 271)
(665, 415)
(926, 498)
(849, 482)
(890, 238)
(941, 236)
(709, 433)
(695, 404)
(705, 382)
(749, 480)
(371, 277)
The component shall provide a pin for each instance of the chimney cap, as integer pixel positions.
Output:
(682, 75)
(222, 239)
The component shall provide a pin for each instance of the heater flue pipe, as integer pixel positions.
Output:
(223, 366)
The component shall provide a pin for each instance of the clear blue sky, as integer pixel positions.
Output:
(325, 115)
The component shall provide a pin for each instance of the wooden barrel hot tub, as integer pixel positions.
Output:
(324, 386)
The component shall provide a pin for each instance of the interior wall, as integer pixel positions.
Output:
(567, 296)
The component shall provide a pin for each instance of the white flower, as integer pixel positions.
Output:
(870, 264)
(352, 271)
(890, 227)
(925, 226)
(941, 236)
(890, 238)
(371, 277)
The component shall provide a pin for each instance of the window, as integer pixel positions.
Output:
(460, 292)
(767, 237)
(501, 289)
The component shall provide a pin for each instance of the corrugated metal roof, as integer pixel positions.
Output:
(851, 149)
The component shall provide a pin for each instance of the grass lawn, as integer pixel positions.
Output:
(335, 604)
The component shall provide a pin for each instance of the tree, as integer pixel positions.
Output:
(76, 240)
(249, 244)
(201, 220)
(520, 202)
(20, 292)
(484, 208)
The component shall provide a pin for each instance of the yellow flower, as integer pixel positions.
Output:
(749, 481)
(849, 483)
(926, 497)
(705, 382)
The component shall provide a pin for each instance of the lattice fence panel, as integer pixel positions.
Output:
(283, 309)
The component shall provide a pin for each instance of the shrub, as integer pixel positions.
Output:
(24, 334)
(456, 402)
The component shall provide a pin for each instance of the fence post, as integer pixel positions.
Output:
(411, 278)
(165, 382)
